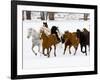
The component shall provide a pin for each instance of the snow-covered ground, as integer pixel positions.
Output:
(30, 61)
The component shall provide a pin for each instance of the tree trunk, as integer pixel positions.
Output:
(86, 16)
(28, 15)
(42, 15)
(51, 15)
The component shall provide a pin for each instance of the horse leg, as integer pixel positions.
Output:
(54, 50)
(43, 52)
(50, 49)
(38, 48)
(82, 48)
(69, 49)
(33, 50)
(65, 49)
(48, 53)
(75, 49)
(85, 50)
(89, 48)
(61, 45)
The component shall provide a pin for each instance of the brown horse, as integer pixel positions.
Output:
(70, 39)
(48, 41)
(84, 37)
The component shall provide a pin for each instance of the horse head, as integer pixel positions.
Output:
(54, 29)
(84, 29)
(65, 36)
(62, 39)
(78, 33)
(32, 32)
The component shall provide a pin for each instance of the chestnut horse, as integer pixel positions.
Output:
(48, 41)
(70, 39)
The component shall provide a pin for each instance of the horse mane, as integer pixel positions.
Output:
(54, 28)
(44, 34)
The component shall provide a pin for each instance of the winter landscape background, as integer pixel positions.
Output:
(64, 21)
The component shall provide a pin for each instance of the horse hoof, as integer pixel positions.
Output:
(55, 55)
(44, 54)
(63, 53)
(74, 54)
(48, 56)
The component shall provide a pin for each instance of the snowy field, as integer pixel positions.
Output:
(30, 61)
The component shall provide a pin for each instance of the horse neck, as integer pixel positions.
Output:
(45, 37)
(78, 34)
(69, 36)
(35, 34)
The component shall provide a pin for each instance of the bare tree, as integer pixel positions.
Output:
(86, 16)
(42, 15)
(45, 15)
(28, 15)
(51, 15)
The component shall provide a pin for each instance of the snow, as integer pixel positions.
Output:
(31, 61)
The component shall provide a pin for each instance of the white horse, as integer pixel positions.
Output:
(35, 39)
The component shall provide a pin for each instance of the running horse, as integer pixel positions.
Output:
(84, 37)
(35, 39)
(48, 41)
(70, 39)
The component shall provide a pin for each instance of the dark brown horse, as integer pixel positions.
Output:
(48, 41)
(84, 37)
(70, 39)
(55, 30)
